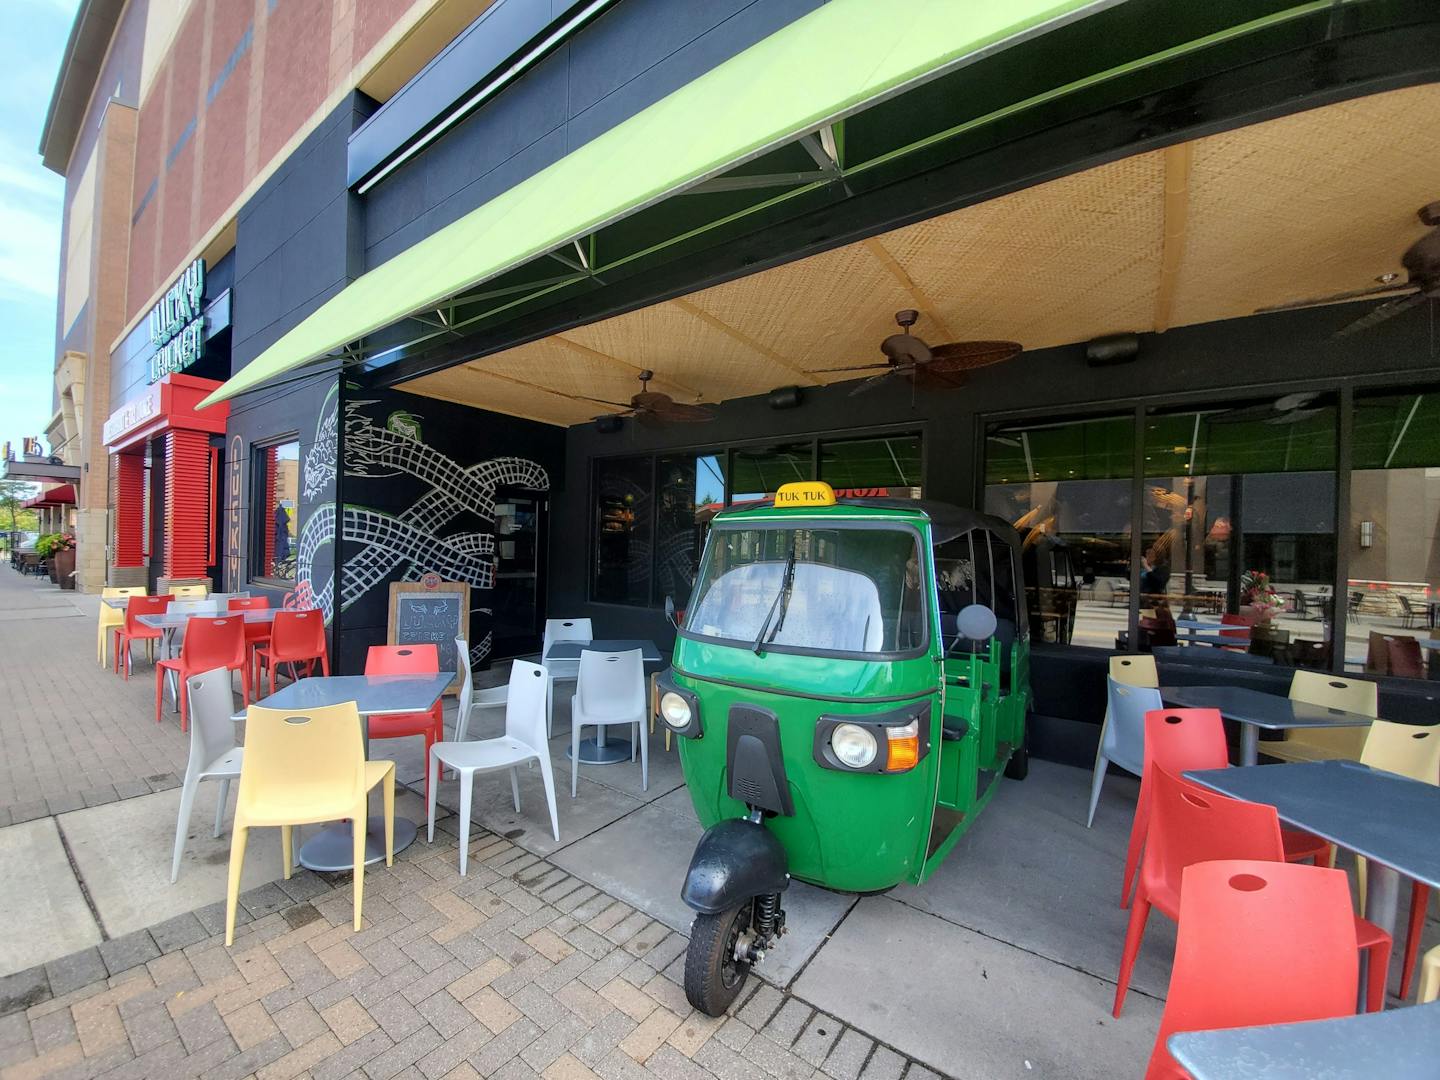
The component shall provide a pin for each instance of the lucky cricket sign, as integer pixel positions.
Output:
(177, 323)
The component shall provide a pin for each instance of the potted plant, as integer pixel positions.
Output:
(1258, 597)
(62, 560)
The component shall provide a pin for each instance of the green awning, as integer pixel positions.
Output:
(836, 60)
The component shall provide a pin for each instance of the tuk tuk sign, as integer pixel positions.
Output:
(177, 324)
(810, 493)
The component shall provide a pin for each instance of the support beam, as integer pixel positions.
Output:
(744, 339)
(941, 331)
(615, 361)
(1176, 221)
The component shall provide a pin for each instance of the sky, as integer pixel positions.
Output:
(32, 39)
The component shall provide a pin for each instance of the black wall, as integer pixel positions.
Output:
(1243, 358)
(418, 488)
(629, 58)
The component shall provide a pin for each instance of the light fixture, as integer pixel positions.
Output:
(1367, 534)
(785, 397)
(1387, 279)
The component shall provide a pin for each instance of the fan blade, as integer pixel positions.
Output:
(874, 381)
(1337, 298)
(1380, 314)
(964, 355)
(678, 412)
(1294, 416)
(858, 367)
(1245, 415)
(932, 377)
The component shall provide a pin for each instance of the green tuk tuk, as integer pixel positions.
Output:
(848, 682)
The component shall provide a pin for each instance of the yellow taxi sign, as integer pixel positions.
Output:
(809, 493)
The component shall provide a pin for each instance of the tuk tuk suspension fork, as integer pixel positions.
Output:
(767, 923)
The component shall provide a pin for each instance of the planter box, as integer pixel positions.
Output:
(62, 568)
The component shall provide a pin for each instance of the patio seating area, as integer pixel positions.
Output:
(1020, 932)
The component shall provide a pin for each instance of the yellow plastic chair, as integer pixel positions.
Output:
(190, 592)
(1411, 750)
(303, 768)
(1327, 744)
(1430, 976)
(111, 617)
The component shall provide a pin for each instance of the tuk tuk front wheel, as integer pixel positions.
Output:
(713, 976)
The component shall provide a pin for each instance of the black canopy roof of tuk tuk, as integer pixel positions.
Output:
(947, 521)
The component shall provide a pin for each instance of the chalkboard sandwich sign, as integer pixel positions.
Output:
(432, 612)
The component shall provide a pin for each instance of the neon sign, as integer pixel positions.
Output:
(177, 323)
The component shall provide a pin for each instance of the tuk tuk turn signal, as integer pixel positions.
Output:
(903, 744)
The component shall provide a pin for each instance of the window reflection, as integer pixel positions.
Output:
(276, 479)
(622, 531)
(885, 467)
(691, 493)
(1239, 525)
(1066, 488)
(1393, 595)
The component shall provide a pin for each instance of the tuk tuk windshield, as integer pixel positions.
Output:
(854, 590)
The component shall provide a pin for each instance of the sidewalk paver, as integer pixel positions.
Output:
(42, 910)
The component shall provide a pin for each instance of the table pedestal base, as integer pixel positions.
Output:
(612, 751)
(331, 848)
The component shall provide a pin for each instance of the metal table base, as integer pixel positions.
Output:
(330, 849)
(603, 751)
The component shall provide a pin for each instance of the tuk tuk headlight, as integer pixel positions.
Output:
(853, 745)
(675, 710)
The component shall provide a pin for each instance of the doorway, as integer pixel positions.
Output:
(521, 519)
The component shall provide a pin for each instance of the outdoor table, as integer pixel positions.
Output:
(216, 597)
(1253, 710)
(1196, 630)
(600, 750)
(1390, 819)
(1398, 1043)
(374, 695)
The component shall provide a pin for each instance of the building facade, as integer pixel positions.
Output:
(435, 240)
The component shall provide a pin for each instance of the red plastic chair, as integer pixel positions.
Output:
(296, 637)
(256, 633)
(1189, 825)
(210, 643)
(1233, 619)
(1419, 905)
(131, 630)
(1179, 740)
(1231, 968)
(407, 660)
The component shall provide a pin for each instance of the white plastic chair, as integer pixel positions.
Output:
(213, 753)
(610, 690)
(1122, 740)
(524, 740)
(487, 697)
(561, 670)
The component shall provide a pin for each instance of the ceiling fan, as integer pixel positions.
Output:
(1287, 409)
(1422, 268)
(654, 409)
(939, 367)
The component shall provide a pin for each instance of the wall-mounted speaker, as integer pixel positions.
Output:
(785, 397)
(1112, 350)
(609, 424)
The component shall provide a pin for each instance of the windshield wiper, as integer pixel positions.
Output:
(783, 593)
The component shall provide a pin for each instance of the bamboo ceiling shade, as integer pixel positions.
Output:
(1305, 205)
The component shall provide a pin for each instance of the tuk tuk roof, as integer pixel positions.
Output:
(946, 520)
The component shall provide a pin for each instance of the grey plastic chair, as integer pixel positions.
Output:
(487, 697)
(560, 670)
(1122, 741)
(213, 752)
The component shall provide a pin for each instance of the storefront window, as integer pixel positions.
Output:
(1239, 524)
(758, 471)
(1394, 559)
(1066, 488)
(276, 501)
(691, 491)
(622, 531)
(883, 467)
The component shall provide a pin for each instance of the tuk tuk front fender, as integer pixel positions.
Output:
(735, 861)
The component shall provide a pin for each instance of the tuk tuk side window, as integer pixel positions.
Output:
(851, 590)
(976, 568)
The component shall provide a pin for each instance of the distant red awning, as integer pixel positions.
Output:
(64, 495)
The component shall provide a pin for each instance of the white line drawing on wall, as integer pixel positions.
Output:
(409, 542)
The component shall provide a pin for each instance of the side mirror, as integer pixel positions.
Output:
(670, 611)
(976, 622)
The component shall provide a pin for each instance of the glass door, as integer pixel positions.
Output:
(520, 520)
